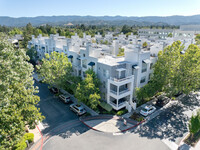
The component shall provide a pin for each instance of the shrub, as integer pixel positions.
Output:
(139, 119)
(21, 145)
(173, 98)
(121, 112)
(29, 137)
(194, 123)
(159, 93)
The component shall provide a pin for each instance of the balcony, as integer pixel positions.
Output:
(120, 92)
(119, 106)
(121, 79)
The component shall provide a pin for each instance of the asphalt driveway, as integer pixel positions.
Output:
(54, 110)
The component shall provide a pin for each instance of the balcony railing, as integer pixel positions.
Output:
(124, 91)
(120, 80)
(120, 92)
(119, 105)
(114, 92)
(113, 104)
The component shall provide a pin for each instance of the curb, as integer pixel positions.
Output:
(134, 126)
(41, 137)
(47, 136)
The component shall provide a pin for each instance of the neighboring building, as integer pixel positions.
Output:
(120, 76)
(160, 33)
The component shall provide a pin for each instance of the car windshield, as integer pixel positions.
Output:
(144, 109)
(81, 110)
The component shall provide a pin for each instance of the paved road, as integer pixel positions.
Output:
(55, 111)
(170, 125)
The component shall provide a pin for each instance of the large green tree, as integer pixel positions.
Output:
(17, 94)
(55, 69)
(88, 90)
(175, 71)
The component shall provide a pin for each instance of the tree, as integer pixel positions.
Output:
(88, 90)
(194, 123)
(17, 96)
(32, 53)
(197, 39)
(126, 29)
(15, 31)
(55, 69)
(175, 71)
(144, 45)
(121, 52)
(170, 35)
(28, 31)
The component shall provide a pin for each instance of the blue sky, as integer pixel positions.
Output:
(32, 8)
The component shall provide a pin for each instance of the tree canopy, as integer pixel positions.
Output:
(55, 69)
(175, 71)
(88, 90)
(17, 96)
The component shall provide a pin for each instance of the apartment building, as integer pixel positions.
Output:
(120, 76)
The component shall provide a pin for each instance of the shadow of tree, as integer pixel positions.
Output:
(171, 123)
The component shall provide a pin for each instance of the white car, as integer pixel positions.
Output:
(147, 110)
(78, 109)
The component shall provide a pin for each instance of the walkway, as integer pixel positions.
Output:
(109, 123)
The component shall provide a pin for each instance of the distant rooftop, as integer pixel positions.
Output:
(110, 60)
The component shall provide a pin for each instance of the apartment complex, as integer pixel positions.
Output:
(120, 76)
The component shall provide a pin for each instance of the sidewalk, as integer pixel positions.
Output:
(108, 123)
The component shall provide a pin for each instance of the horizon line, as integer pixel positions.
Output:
(96, 16)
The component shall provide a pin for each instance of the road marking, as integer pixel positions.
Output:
(170, 144)
(117, 133)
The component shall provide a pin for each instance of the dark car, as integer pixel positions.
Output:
(162, 101)
(54, 90)
(65, 98)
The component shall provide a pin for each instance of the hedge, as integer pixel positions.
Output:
(29, 137)
(22, 144)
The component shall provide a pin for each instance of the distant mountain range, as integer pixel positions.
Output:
(101, 20)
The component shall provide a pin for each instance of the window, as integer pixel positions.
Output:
(83, 55)
(104, 72)
(150, 76)
(151, 65)
(142, 79)
(84, 64)
(104, 84)
(53, 48)
(133, 71)
(84, 74)
(144, 67)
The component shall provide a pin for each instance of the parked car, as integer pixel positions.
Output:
(147, 110)
(162, 101)
(78, 109)
(54, 90)
(65, 98)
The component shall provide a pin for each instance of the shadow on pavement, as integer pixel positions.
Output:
(171, 123)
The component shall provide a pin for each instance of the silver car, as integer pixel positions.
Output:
(78, 109)
(65, 98)
(147, 110)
